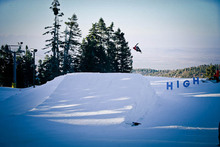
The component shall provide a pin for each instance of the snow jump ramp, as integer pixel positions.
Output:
(86, 99)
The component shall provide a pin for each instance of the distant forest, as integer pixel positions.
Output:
(201, 71)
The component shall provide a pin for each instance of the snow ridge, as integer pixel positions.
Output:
(82, 98)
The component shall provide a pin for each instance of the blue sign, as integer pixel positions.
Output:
(186, 83)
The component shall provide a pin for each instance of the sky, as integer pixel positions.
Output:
(172, 34)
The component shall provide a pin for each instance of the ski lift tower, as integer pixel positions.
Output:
(34, 51)
(15, 49)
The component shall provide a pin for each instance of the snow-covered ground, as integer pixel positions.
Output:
(94, 109)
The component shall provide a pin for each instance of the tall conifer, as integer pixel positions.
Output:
(54, 43)
(71, 45)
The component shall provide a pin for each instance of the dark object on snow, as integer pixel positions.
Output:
(135, 124)
(203, 81)
(219, 134)
(137, 48)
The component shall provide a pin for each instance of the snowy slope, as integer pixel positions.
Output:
(94, 109)
(22, 100)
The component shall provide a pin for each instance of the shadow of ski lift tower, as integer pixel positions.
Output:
(15, 49)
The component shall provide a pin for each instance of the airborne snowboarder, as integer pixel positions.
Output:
(137, 48)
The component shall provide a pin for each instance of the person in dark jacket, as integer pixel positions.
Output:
(137, 48)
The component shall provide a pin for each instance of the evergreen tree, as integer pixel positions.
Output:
(111, 49)
(123, 55)
(104, 50)
(210, 71)
(25, 69)
(102, 46)
(54, 43)
(97, 39)
(45, 72)
(93, 49)
(40, 76)
(6, 66)
(72, 35)
(88, 61)
(28, 67)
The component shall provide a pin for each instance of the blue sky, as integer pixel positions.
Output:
(171, 33)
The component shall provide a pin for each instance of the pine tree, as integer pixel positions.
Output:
(88, 59)
(25, 69)
(93, 49)
(102, 46)
(6, 66)
(111, 49)
(210, 71)
(104, 50)
(123, 55)
(54, 43)
(45, 72)
(40, 76)
(72, 35)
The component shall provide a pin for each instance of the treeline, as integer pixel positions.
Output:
(202, 71)
(24, 70)
(102, 50)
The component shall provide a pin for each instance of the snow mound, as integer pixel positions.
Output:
(86, 99)
(19, 101)
(94, 109)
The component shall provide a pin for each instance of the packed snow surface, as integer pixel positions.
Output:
(97, 109)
